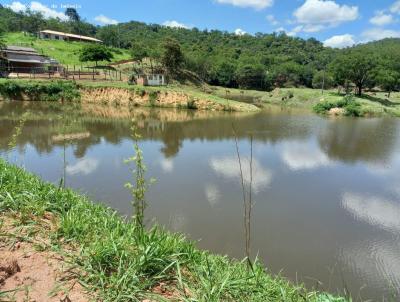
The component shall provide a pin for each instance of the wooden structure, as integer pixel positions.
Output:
(16, 59)
(58, 35)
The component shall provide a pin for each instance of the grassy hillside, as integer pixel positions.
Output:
(67, 53)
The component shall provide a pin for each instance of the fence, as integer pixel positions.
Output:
(59, 72)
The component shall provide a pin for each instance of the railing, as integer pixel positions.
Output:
(59, 72)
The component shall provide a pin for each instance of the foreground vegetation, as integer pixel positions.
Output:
(122, 262)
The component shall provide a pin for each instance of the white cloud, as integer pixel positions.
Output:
(175, 24)
(105, 20)
(240, 32)
(228, 167)
(47, 12)
(379, 34)
(271, 19)
(373, 210)
(298, 156)
(37, 7)
(291, 33)
(316, 15)
(340, 41)
(381, 19)
(395, 8)
(257, 4)
(85, 166)
(17, 7)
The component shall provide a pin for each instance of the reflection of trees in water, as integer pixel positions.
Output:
(351, 140)
(344, 139)
(154, 125)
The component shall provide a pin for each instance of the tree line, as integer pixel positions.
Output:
(261, 61)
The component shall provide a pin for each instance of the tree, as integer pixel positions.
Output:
(355, 65)
(2, 44)
(251, 76)
(32, 22)
(172, 57)
(72, 14)
(322, 80)
(95, 53)
(138, 51)
(225, 73)
(388, 79)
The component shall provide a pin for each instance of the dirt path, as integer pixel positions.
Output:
(30, 272)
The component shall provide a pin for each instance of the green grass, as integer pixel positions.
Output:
(123, 263)
(67, 53)
(371, 103)
(43, 90)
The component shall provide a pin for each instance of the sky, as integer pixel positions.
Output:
(337, 23)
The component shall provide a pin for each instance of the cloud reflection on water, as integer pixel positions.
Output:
(373, 210)
(302, 156)
(84, 166)
(213, 194)
(228, 167)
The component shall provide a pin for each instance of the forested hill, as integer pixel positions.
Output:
(217, 56)
(260, 61)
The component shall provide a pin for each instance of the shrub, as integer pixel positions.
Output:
(153, 97)
(46, 91)
(191, 104)
(352, 108)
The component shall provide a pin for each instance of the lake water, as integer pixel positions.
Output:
(326, 191)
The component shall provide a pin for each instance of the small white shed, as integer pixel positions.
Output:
(151, 80)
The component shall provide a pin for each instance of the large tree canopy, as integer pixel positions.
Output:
(95, 53)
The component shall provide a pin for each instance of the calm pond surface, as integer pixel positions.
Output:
(326, 191)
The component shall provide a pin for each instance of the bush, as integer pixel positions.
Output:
(352, 108)
(153, 97)
(40, 91)
(191, 104)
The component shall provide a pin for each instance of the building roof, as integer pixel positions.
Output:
(24, 55)
(23, 58)
(59, 33)
(20, 49)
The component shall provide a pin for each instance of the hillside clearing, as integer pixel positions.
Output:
(67, 53)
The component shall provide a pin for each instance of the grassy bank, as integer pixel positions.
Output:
(370, 103)
(191, 97)
(122, 263)
(67, 53)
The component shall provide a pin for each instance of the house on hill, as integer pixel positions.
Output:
(58, 35)
(25, 60)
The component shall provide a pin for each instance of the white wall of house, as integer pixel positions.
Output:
(156, 80)
(51, 37)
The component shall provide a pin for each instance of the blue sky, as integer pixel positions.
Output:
(338, 23)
